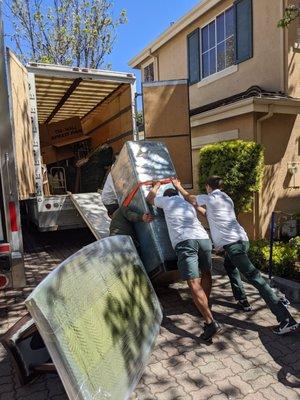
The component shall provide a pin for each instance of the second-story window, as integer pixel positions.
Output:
(217, 44)
(224, 41)
(149, 73)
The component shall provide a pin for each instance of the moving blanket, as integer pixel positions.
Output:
(98, 316)
(138, 162)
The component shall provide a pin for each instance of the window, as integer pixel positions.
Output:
(149, 73)
(218, 44)
(193, 57)
(225, 41)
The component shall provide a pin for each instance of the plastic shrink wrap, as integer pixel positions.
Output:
(144, 161)
(98, 316)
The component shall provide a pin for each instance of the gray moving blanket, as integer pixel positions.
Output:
(144, 161)
(99, 317)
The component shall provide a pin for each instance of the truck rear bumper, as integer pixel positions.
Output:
(55, 213)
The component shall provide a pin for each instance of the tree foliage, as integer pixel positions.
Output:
(292, 12)
(239, 163)
(139, 118)
(68, 32)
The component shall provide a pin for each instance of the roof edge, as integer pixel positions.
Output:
(172, 31)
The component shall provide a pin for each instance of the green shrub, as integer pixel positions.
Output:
(239, 163)
(295, 242)
(284, 257)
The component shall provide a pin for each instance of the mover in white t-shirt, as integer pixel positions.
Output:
(227, 234)
(193, 248)
(109, 196)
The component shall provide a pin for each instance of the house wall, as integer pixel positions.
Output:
(280, 137)
(275, 66)
(281, 140)
(292, 57)
(265, 69)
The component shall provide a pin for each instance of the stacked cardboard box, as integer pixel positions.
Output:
(57, 139)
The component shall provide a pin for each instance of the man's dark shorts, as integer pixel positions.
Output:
(193, 254)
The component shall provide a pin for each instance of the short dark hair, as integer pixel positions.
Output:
(215, 182)
(170, 192)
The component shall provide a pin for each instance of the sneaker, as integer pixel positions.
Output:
(210, 330)
(286, 326)
(245, 306)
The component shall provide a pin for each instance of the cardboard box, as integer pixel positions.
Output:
(50, 154)
(65, 132)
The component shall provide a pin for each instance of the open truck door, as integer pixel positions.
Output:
(11, 247)
(21, 125)
(166, 119)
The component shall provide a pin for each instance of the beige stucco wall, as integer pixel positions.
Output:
(292, 61)
(280, 137)
(264, 69)
(281, 140)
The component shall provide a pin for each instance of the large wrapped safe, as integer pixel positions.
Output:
(99, 317)
(140, 162)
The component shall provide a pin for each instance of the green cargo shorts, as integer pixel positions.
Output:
(193, 254)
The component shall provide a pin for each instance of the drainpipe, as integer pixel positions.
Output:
(256, 214)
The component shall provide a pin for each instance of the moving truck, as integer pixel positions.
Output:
(50, 117)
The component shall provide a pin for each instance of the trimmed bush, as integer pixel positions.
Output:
(239, 163)
(284, 257)
(295, 242)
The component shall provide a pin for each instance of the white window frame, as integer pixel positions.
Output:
(214, 47)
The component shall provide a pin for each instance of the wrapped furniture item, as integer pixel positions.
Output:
(98, 316)
(140, 162)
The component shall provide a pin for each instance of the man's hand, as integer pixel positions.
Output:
(176, 182)
(147, 218)
(156, 186)
(153, 192)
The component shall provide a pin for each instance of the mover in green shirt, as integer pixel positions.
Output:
(123, 220)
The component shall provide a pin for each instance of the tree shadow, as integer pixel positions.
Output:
(284, 350)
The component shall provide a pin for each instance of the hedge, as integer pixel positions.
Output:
(285, 256)
(239, 163)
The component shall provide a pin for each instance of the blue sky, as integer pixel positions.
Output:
(146, 20)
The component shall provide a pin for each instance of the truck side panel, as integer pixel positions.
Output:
(23, 141)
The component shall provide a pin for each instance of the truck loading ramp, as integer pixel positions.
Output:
(93, 212)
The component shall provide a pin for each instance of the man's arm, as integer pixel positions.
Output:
(201, 210)
(152, 193)
(188, 197)
(134, 216)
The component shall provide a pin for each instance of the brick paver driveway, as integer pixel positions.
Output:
(245, 362)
